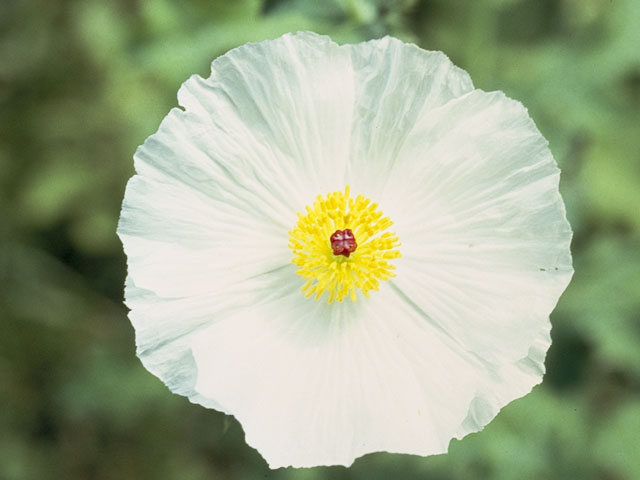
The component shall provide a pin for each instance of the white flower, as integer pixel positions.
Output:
(413, 328)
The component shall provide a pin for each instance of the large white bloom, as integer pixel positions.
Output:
(437, 319)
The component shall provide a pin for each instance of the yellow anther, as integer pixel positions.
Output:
(341, 276)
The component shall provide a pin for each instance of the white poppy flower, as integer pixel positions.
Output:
(348, 248)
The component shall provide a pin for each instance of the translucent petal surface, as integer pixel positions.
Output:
(218, 186)
(314, 384)
(475, 201)
(396, 84)
(473, 192)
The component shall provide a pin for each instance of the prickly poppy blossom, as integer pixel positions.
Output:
(348, 248)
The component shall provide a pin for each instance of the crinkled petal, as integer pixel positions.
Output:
(485, 241)
(318, 384)
(396, 84)
(218, 186)
(167, 326)
(277, 116)
(501, 384)
(180, 243)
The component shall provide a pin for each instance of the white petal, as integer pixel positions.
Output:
(219, 184)
(276, 115)
(396, 84)
(314, 384)
(264, 134)
(503, 383)
(182, 269)
(166, 326)
(485, 241)
(179, 242)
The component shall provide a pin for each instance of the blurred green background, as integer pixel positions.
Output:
(84, 82)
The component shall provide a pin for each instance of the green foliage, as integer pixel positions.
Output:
(84, 82)
(616, 445)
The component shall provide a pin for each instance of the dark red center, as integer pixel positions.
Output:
(343, 242)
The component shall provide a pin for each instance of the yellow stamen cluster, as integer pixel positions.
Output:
(338, 275)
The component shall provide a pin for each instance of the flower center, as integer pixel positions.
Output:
(324, 246)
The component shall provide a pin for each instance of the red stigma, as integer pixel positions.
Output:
(343, 242)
